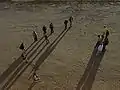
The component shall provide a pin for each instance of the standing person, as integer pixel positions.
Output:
(105, 43)
(102, 36)
(106, 34)
(71, 20)
(44, 29)
(35, 36)
(51, 27)
(46, 38)
(66, 22)
(106, 31)
(23, 49)
(99, 41)
(35, 78)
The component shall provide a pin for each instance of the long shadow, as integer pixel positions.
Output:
(13, 66)
(37, 44)
(48, 50)
(14, 76)
(86, 70)
(88, 77)
(35, 50)
(34, 45)
(16, 63)
(32, 85)
(89, 82)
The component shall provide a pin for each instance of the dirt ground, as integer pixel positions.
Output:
(65, 66)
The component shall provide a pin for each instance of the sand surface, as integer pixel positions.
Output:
(65, 65)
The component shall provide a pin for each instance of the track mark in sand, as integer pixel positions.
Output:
(88, 77)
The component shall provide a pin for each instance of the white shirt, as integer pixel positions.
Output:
(100, 47)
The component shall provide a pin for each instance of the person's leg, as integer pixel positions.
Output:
(104, 47)
(52, 30)
(70, 23)
(97, 44)
(35, 38)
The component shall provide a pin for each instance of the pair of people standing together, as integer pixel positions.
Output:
(66, 22)
(44, 28)
(102, 41)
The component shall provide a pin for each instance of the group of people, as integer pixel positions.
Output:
(100, 45)
(66, 22)
(102, 41)
(35, 38)
(44, 28)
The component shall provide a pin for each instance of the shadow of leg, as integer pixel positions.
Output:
(32, 85)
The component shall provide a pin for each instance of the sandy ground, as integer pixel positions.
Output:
(65, 66)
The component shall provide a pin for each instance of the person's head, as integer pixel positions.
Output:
(99, 36)
(51, 23)
(104, 26)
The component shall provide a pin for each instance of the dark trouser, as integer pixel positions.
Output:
(97, 44)
(44, 32)
(107, 35)
(104, 47)
(52, 31)
(65, 26)
(35, 39)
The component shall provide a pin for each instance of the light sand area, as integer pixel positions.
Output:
(65, 66)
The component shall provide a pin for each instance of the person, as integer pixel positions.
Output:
(23, 56)
(66, 22)
(105, 43)
(106, 34)
(35, 36)
(46, 38)
(99, 41)
(70, 20)
(99, 49)
(35, 77)
(51, 27)
(23, 53)
(22, 46)
(44, 29)
(106, 31)
(103, 35)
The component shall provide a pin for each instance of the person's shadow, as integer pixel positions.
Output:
(88, 77)
(46, 54)
(32, 85)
